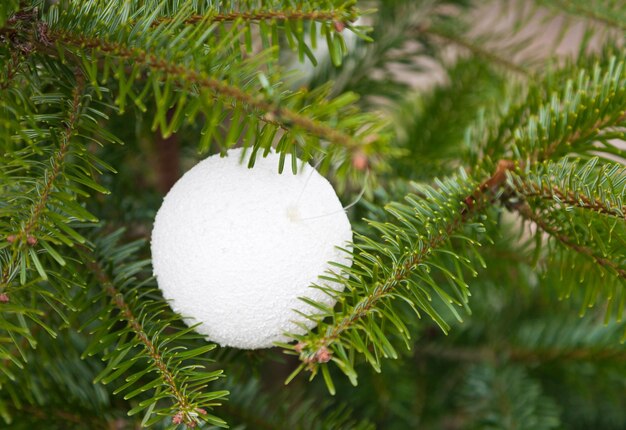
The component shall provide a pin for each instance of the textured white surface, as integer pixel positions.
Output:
(234, 248)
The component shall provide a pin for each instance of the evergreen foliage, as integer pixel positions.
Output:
(489, 257)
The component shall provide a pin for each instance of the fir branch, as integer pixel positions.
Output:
(580, 9)
(270, 17)
(527, 213)
(569, 198)
(188, 82)
(56, 162)
(26, 238)
(476, 49)
(575, 110)
(481, 198)
(174, 353)
(285, 117)
(426, 242)
(589, 241)
(183, 404)
(63, 382)
(594, 186)
(14, 353)
(582, 135)
(400, 274)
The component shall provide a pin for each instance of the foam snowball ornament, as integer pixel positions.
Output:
(234, 248)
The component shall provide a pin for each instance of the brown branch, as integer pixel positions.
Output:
(578, 135)
(184, 405)
(56, 162)
(284, 15)
(491, 185)
(569, 198)
(526, 212)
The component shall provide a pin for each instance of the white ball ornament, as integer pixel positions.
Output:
(234, 248)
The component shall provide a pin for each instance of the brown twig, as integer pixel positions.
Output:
(579, 135)
(491, 185)
(286, 15)
(526, 212)
(56, 162)
(529, 190)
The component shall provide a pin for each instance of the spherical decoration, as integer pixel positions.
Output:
(234, 248)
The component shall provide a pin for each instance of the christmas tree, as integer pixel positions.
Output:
(480, 163)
